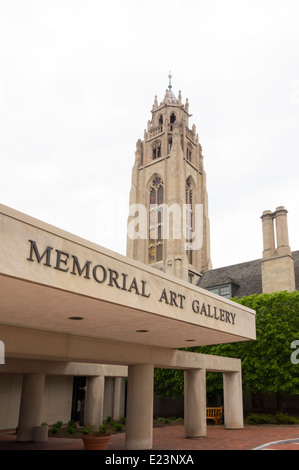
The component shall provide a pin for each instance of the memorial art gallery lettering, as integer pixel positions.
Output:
(213, 312)
(68, 263)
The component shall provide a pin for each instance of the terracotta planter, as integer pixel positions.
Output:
(95, 442)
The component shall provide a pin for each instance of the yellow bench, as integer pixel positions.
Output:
(215, 413)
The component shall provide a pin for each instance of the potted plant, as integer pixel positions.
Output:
(96, 437)
(40, 433)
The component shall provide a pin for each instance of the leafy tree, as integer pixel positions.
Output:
(266, 362)
(169, 382)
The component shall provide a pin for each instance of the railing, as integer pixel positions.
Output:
(159, 129)
(156, 130)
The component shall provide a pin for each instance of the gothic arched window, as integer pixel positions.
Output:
(172, 121)
(189, 219)
(189, 153)
(156, 149)
(155, 247)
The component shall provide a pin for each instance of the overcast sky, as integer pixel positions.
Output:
(77, 84)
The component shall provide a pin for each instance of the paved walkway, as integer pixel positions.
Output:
(172, 438)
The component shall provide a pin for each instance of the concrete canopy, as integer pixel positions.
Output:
(54, 281)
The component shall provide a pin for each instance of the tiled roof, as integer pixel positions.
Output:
(246, 277)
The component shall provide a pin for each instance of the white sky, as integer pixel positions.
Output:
(77, 84)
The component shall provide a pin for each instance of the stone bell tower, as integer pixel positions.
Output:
(168, 224)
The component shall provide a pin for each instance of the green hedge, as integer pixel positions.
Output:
(277, 418)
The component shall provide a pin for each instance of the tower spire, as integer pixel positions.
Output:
(170, 77)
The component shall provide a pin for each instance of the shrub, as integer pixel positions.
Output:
(118, 426)
(71, 428)
(55, 428)
(281, 418)
(278, 418)
(96, 430)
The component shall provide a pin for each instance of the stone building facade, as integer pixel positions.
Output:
(277, 270)
(169, 172)
(76, 316)
(169, 191)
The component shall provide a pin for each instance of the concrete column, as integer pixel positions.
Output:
(140, 396)
(195, 422)
(282, 234)
(233, 400)
(30, 414)
(117, 412)
(268, 234)
(94, 401)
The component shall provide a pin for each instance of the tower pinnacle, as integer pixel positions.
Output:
(170, 77)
